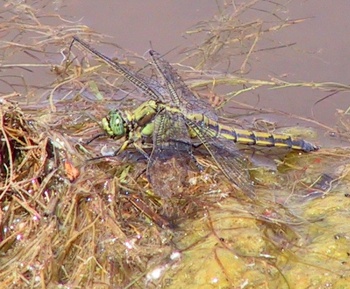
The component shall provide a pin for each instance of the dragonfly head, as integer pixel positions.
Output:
(114, 124)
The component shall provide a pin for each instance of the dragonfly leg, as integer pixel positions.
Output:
(122, 147)
(190, 152)
(195, 161)
(95, 137)
(142, 151)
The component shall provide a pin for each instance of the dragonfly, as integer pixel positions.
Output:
(175, 119)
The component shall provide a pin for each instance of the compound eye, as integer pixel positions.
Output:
(114, 124)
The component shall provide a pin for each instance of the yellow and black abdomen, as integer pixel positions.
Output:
(255, 138)
(265, 139)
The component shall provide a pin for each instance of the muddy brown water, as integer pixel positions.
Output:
(319, 51)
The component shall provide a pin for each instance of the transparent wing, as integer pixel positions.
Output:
(150, 87)
(180, 94)
(171, 154)
(226, 155)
